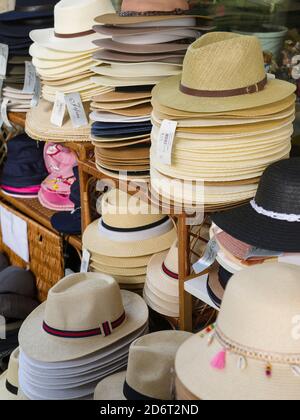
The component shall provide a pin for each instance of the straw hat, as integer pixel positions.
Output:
(107, 315)
(253, 353)
(133, 11)
(128, 229)
(150, 369)
(9, 382)
(222, 72)
(271, 220)
(73, 20)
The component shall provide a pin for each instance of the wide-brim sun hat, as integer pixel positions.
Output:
(44, 334)
(248, 356)
(222, 72)
(272, 220)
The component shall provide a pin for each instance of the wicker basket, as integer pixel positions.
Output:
(46, 255)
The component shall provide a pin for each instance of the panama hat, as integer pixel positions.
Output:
(212, 91)
(44, 335)
(73, 20)
(133, 12)
(151, 70)
(9, 382)
(120, 31)
(128, 229)
(273, 214)
(134, 262)
(244, 358)
(149, 374)
(43, 53)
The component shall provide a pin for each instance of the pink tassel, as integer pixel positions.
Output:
(219, 361)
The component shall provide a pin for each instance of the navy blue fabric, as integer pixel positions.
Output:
(19, 14)
(116, 126)
(121, 132)
(224, 277)
(21, 30)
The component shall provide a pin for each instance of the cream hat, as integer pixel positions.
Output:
(150, 369)
(128, 228)
(107, 315)
(9, 382)
(222, 72)
(253, 352)
(73, 20)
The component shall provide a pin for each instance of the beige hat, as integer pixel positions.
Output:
(253, 352)
(150, 369)
(56, 331)
(128, 228)
(9, 382)
(73, 20)
(222, 72)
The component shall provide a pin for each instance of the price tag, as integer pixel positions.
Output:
(76, 110)
(59, 110)
(30, 78)
(261, 253)
(208, 258)
(3, 59)
(271, 76)
(37, 93)
(165, 141)
(4, 116)
(85, 263)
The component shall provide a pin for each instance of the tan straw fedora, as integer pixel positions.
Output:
(9, 381)
(253, 351)
(56, 331)
(222, 72)
(150, 370)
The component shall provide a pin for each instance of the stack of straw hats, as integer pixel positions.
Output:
(147, 42)
(253, 351)
(63, 58)
(150, 369)
(15, 26)
(232, 122)
(64, 352)
(123, 241)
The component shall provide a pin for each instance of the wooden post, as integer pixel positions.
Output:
(185, 299)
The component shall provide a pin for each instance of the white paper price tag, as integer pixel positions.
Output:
(3, 59)
(271, 76)
(30, 78)
(76, 110)
(85, 263)
(4, 116)
(165, 141)
(208, 258)
(37, 93)
(59, 110)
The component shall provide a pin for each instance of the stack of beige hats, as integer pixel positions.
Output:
(123, 241)
(18, 101)
(64, 351)
(146, 43)
(150, 372)
(231, 122)
(63, 59)
(253, 351)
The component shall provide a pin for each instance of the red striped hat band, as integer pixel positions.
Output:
(170, 273)
(105, 329)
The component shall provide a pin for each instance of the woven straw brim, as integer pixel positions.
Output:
(158, 305)
(121, 177)
(122, 271)
(193, 368)
(115, 19)
(133, 262)
(163, 296)
(95, 242)
(156, 277)
(5, 395)
(40, 346)
(168, 94)
(246, 225)
(122, 280)
(111, 388)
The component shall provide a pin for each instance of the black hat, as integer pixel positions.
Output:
(28, 9)
(272, 220)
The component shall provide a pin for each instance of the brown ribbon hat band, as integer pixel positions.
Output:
(76, 35)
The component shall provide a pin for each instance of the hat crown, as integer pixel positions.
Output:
(153, 5)
(260, 307)
(97, 295)
(150, 364)
(279, 187)
(76, 16)
(171, 260)
(120, 210)
(221, 61)
(13, 369)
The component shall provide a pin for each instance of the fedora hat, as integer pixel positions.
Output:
(73, 22)
(9, 381)
(251, 354)
(211, 81)
(271, 220)
(149, 374)
(107, 316)
(128, 228)
(133, 12)
(29, 9)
